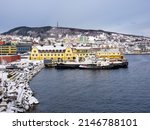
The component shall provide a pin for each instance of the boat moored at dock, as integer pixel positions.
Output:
(72, 64)
(94, 63)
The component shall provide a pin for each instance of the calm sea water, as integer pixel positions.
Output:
(95, 91)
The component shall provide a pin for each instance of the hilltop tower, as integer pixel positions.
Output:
(57, 24)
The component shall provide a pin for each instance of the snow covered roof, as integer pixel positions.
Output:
(51, 47)
(82, 48)
(60, 48)
(110, 50)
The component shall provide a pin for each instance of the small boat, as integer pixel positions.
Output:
(89, 66)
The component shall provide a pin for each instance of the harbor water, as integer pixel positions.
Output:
(95, 91)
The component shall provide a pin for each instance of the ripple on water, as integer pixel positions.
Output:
(121, 90)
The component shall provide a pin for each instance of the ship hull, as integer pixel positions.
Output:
(67, 66)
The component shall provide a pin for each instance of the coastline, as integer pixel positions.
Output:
(16, 95)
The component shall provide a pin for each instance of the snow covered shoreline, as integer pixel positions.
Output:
(15, 92)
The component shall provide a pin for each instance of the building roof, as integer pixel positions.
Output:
(110, 50)
(50, 47)
(82, 48)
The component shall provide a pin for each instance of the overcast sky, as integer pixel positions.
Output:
(125, 16)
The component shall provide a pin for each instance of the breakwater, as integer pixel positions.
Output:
(15, 92)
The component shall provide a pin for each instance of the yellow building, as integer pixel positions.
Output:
(59, 53)
(109, 53)
(8, 50)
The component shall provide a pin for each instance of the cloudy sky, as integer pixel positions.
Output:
(125, 16)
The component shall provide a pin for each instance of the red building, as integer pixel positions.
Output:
(2, 42)
(9, 58)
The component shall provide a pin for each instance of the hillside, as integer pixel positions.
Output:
(49, 31)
